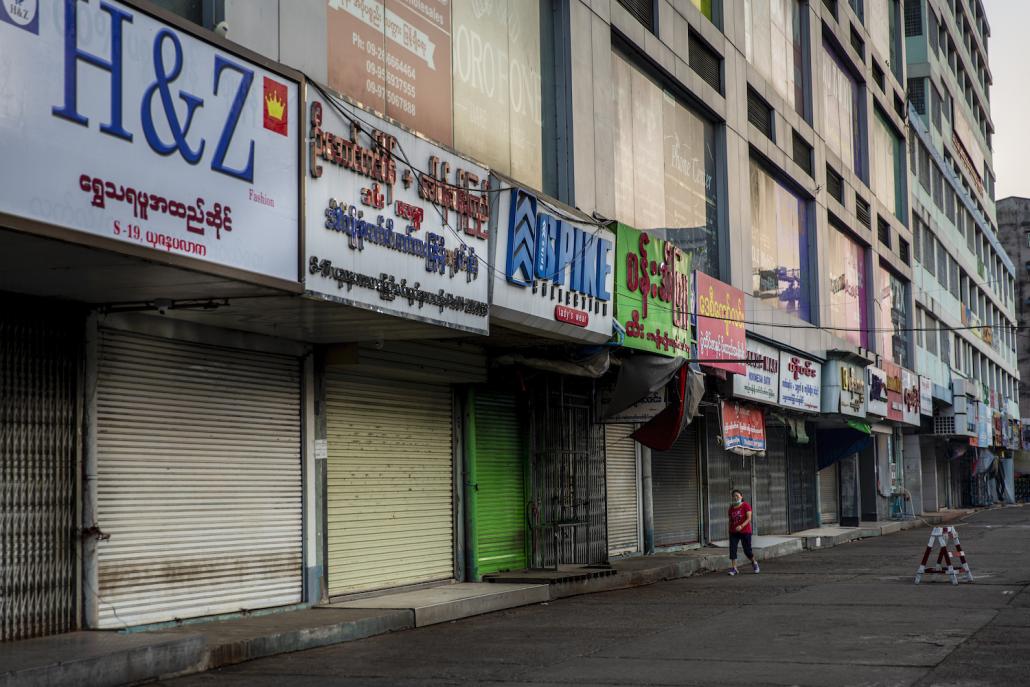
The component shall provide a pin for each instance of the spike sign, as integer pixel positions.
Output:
(145, 139)
(553, 269)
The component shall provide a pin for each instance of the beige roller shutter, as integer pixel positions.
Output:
(621, 484)
(828, 495)
(390, 518)
(198, 481)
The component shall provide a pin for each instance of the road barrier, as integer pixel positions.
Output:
(940, 536)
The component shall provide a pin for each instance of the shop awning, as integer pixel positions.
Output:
(837, 443)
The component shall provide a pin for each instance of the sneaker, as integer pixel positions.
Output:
(733, 571)
(755, 568)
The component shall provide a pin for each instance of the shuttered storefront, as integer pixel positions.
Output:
(390, 504)
(676, 491)
(39, 370)
(500, 488)
(829, 495)
(199, 480)
(770, 504)
(802, 486)
(622, 490)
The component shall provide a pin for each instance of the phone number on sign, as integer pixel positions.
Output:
(133, 232)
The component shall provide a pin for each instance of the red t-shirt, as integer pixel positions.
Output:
(738, 514)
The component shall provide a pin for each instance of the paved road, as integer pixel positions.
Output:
(843, 616)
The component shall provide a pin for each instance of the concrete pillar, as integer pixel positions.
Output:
(646, 501)
(912, 456)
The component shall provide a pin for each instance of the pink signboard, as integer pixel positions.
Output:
(719, 324)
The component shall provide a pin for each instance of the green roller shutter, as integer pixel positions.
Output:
(500, 509)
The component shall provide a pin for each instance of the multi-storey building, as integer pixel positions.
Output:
(1014, 232)
(377, 350)
(964, 280)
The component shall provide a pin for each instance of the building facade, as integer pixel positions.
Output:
(964, 278)
(1013, 228)
(329, 298)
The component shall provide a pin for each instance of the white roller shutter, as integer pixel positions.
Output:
(198, 481)
(390, 518)
(621, 484)
(829, 506)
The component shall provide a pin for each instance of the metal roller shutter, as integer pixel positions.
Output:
(802, 486)
(198, 480)
(829, 495)
(717, 464)
(390, 518)
(677, 507)
(770, 505)
(621, 475)
(39, 368)
(500, 515)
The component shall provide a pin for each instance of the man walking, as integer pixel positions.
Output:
(740, 531)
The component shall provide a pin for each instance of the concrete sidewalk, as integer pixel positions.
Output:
(115, 658)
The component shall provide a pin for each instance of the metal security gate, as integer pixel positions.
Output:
(198, 480)
(677, 491)
(717, 468)
(770, 504)
(829, 495)
(567, 479)
(499, 484)
(622, 489)
(802, 487)
(390, 483)
(39, 384)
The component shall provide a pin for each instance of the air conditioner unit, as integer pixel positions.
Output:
(953, 421)
(963, 387)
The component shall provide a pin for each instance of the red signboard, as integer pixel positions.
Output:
(895, 400)
(719, 324)
(743, 427)
(563, 313)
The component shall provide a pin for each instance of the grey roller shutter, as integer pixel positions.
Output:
(770, 504)
(829, 499)
(621, 476)
(198, 480)
(390, 483)
(676, 489)
(802, 486)
(39, 368)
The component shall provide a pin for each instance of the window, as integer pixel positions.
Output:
(759, 113)
(779, 245)
(643, 11)
(665, 166)
(917, 238)
(913, 18)
(917, 94)
(886, 159)
(774, 45)
(802, 153)
(847, 303)
(705, 62)
(883, 231)
(893, 322)
(929, 251)
(834, 185)
(841, 111)
(942, 264)
(930, 324)
(707, 8)
(953, 282)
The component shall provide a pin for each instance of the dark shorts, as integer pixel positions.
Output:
(737, 538)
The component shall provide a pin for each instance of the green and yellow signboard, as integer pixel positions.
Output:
(652, 302)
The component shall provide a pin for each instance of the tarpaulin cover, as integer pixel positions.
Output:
(837, 443)
(661, 432)
(640, 376)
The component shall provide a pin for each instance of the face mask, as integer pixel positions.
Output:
(738, 501)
